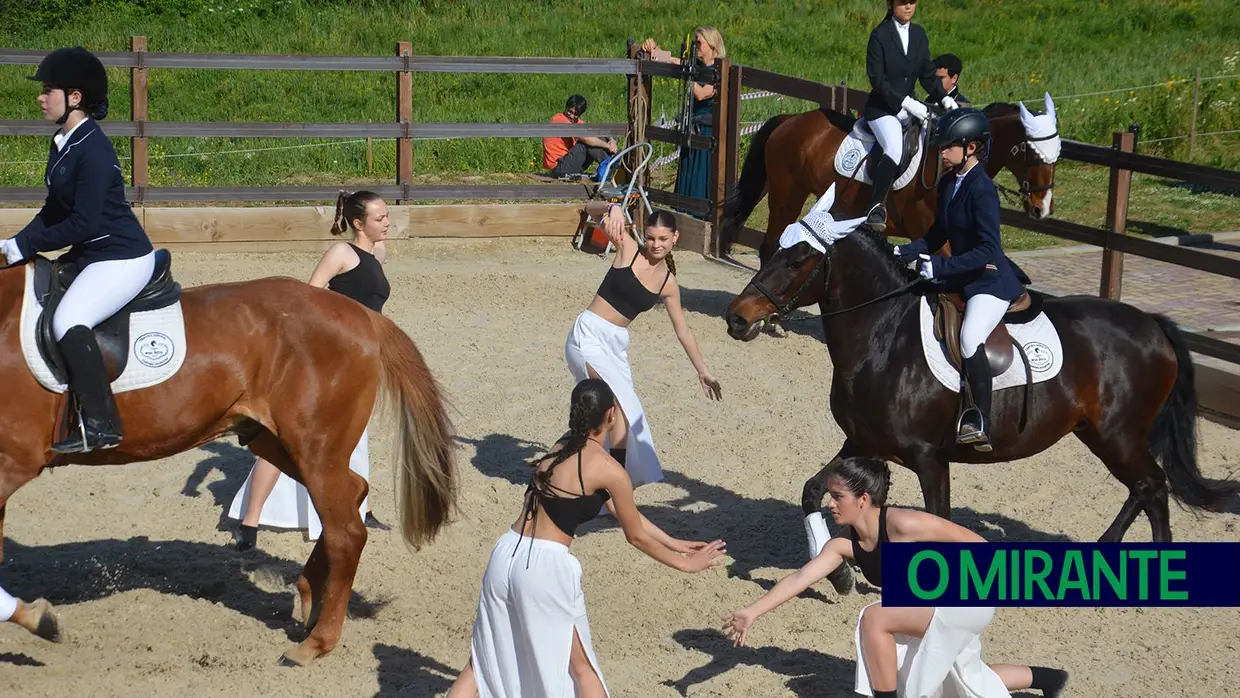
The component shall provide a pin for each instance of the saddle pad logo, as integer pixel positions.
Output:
(155, 349)
(1040, 356)
(851, 159)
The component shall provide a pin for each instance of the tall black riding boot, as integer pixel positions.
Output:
(100, 425)
(975, 421)
(884, 174)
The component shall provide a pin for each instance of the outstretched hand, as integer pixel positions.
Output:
(706, 556)
(736, 625)
(710, 386)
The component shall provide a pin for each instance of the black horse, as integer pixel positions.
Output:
(1125, 387)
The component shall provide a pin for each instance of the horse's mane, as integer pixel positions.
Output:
(878, 246)
(1001, 110)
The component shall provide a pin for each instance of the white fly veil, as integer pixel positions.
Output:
(818, 227)
(1042, 131)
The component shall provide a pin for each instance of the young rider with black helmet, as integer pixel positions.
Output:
(967, 215)
(85, 211)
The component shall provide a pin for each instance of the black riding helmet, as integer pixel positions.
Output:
(72, 69)
(960, 126)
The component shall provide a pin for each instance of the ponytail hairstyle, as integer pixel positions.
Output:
(589, 403)
(351, 207)
(891, 11)
(665, 219)
(860, 476)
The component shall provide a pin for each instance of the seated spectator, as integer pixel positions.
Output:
(566, 156)
(947, 68)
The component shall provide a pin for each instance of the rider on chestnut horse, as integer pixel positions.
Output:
(85, 211)
(967, 216)
(897, 57)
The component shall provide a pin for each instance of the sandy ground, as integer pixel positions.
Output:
(138, 558)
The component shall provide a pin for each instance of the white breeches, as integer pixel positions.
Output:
(890, 135)
(982, 314)
(8, 605)
(100, 290)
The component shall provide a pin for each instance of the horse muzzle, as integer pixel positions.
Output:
(743, 329)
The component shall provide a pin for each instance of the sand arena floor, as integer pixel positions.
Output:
(138, 558)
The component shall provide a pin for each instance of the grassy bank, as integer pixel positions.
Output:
(1011, 50)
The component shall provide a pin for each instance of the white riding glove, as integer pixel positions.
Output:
(949, 103)
(12, 255)
(926, 270)
(919, 111)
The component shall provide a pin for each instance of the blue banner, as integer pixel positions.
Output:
(1061, 574)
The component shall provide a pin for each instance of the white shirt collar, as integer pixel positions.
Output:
(62, 138)
(902, 32)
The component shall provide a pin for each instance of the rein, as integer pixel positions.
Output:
(782, 308)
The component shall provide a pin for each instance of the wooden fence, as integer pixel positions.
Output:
(723, 145)
(404, 129)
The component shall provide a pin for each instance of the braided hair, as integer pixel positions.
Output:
(351, 207)
(590, 401)
(664, 219)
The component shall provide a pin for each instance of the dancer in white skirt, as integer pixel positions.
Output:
(597, 346)
(37, 616)
(909, 652)
(531, 638)
(269, 497)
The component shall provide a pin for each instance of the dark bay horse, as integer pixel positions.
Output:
(294, 372)
(793, 155)
(1125, 388)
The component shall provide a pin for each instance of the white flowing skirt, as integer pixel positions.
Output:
(605, 348)
(289, 505)
(530, 605)
(946, 663)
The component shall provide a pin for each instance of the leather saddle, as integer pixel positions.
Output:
(52, 279)
(949, 313)
(911, 133)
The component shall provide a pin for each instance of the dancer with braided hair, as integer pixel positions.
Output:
(353, 269)
(531, 622)
(598, 343)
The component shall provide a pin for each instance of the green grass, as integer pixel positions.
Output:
(1010, 50)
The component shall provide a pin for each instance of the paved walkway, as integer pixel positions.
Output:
(1196, 300)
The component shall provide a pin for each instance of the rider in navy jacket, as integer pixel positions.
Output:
(967, 215)
(897, 57)
(85, 211)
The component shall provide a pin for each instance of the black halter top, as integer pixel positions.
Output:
(625, 292)
(567, 513)
(871, 563)
(365, 283)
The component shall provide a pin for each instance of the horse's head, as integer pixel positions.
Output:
(1027, 144)
(794, 275)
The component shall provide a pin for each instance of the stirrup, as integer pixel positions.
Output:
(977, 437)
(876, 218)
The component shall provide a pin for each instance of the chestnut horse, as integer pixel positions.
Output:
(793, 155)
(294, 372)
(1125, 388)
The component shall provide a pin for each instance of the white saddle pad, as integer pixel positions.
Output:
(156, 345)
(857, 144)
(1038, 337)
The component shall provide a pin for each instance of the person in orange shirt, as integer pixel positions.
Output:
(566, 156)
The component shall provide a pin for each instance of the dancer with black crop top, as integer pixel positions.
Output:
(531, 622)
(353, 269)
(948, 652)
(597, 346)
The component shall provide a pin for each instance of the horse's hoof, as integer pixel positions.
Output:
(842, 579)
(285, 661)
(48, 626)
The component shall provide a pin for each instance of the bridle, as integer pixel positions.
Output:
(1026, 191)
(782, 309)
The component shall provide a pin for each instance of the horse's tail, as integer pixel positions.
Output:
(751, 187)
(1173, 440)
(425, 479)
